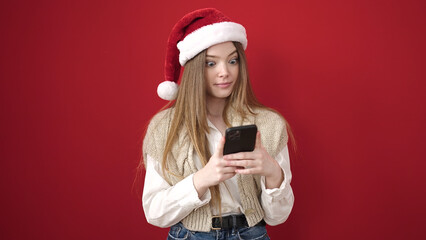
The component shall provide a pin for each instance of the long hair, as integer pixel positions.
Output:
(190, 111)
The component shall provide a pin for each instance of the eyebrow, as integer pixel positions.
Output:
(212, 56)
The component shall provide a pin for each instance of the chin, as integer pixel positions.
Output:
(218, 94)
(222, 95)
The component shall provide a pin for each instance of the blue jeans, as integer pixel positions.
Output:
(179, 232)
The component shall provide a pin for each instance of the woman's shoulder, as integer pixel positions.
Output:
(161, 119)
(273, 129)
(162, 115)
(156, 133)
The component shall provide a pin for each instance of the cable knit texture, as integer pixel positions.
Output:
(274, 138)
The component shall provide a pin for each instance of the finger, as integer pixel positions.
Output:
(219, 148)
(240, 156)
(229, 169)
(241, 163)
(246, 171)
(258, 140)
(229, 175)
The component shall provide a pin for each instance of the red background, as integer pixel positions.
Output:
(78, 85)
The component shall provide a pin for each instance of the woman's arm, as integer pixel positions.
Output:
(277, 203)
(165, 205)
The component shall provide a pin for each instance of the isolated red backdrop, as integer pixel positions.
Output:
(78, 85)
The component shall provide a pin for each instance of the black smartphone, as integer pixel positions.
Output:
(240, 139)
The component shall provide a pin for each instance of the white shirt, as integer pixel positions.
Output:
(165, 205)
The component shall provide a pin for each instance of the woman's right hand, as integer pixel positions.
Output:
(214, 172)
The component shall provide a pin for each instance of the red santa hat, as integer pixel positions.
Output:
(194, 33)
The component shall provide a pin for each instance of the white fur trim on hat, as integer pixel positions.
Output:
(208, 36)
(167, 90)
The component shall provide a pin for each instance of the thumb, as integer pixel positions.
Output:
(219, 148)
(258, 140)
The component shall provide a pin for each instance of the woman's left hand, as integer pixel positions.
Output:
(257, 162)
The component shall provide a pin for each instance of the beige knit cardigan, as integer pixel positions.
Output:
(274, 138)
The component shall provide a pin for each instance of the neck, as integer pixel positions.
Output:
(215, 106)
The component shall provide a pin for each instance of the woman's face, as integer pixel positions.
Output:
(221, 71)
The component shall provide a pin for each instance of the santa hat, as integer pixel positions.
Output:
(194, 33)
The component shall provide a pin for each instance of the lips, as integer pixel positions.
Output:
(223, 85)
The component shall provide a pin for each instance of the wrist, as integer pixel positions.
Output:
(199, 183)
(274, 180)
(277, 176)
(276, 171)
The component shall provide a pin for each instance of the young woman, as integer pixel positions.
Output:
(190, 185)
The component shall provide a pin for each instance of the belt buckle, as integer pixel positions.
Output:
(213, 228)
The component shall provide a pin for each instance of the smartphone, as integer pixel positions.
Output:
(240, 139)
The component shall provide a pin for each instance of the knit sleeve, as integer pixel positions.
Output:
(273, 130)
(156, 136)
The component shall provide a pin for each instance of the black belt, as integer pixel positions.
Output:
(228, 222)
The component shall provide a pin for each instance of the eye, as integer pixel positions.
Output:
(234, 61)
(210, 63)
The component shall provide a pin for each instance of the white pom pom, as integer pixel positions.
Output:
(167, 90)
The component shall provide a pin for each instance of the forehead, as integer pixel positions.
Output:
(221, 49)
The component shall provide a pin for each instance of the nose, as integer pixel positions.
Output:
(223, 70)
